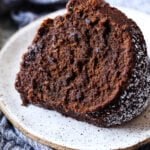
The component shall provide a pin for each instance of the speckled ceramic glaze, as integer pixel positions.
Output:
(50, 127)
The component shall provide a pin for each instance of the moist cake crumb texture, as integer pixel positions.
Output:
(90, 64)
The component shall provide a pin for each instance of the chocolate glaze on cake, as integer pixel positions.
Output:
(90, 64)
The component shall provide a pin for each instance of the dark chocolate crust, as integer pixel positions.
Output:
(90, 64)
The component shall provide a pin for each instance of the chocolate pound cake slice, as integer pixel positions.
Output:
(90, 64)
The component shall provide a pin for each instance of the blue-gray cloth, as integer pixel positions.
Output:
(12, 139)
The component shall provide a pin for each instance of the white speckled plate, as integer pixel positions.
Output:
(50, 127)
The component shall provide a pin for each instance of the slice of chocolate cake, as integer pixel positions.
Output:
(90, 64)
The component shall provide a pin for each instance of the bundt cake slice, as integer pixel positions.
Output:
(90, 64)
